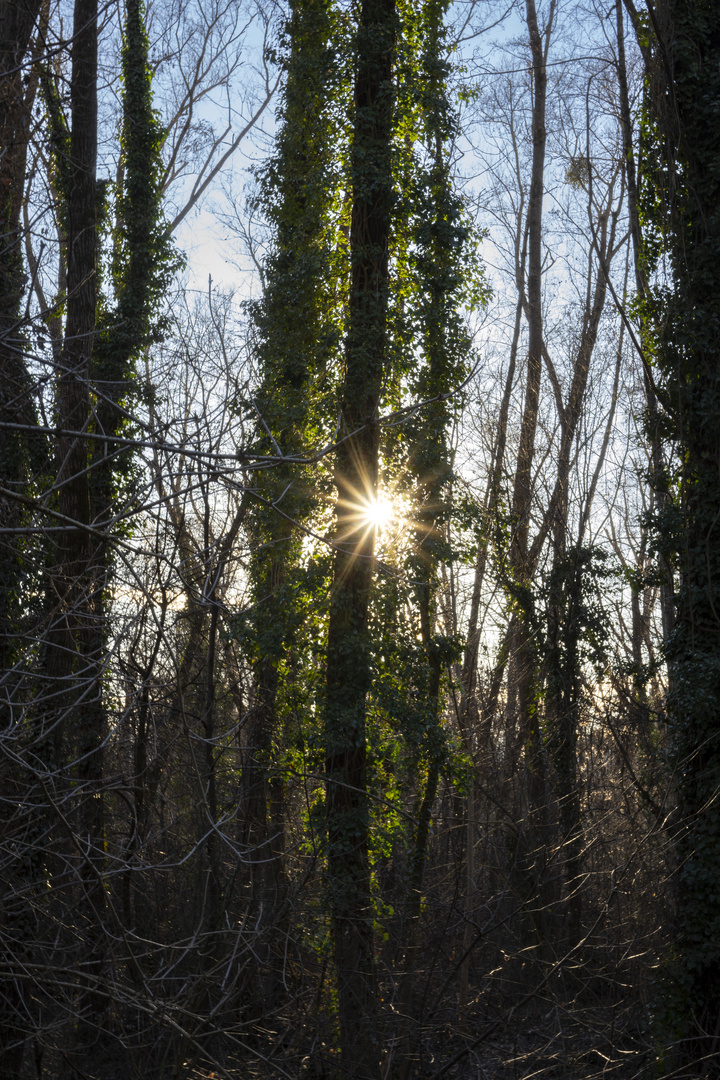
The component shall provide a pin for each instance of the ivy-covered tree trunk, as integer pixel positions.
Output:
(71, 661)
(445, 275)
(20, 455)
(348, 649)
(95, 382)
(683, 167)
(297, 344)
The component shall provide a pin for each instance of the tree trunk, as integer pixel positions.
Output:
(84, 718)
(348, 659)
(19, 451)
(682, 174)
(522, 671)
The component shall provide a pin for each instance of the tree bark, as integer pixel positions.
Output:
(681, 170)
(73, 653)
(522, 669)
(348, 650)
(19, 452)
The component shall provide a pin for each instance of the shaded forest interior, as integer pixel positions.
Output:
(359, 632)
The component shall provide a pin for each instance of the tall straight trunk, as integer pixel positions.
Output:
(348, 649)
(683, 177)
(18, 19)
(293, 356)
(522, 668)
(82, 717)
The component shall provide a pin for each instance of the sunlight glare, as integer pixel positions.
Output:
(379, 513)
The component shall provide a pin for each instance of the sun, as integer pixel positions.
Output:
(379, 513)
